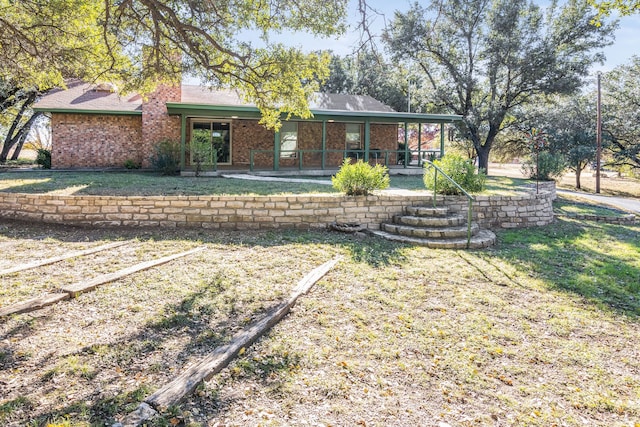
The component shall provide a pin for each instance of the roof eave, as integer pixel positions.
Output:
(253, 112)
(88, 111)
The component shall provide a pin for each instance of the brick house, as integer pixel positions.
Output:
(93, 126)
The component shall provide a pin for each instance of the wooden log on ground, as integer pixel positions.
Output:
(88, 285)
(33, 304)
(61, 258)
(175, 391)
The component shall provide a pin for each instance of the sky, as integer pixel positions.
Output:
(626, 45)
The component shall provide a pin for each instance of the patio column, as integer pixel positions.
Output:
(406, 145)
(441, 139)
(276, 151)
(183, 141)
(324, 143)
(367, 139)
(419, 144)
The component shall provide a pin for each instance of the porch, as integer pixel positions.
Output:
(318, 146)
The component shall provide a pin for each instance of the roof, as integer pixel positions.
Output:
(199, 95)
(82, 97)
(85, 97)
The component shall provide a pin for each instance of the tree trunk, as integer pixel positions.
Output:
(18, 149)
(483, 158)
(13, 137)
(578, 172)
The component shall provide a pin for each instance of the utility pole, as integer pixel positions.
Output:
(598, 137)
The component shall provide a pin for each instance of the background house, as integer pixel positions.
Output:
(94, 126)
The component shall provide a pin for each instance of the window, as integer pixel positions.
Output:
(218, 134)
(353, 136)
(288, 140)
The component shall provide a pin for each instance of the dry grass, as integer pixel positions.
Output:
(541, 330)
(610, 182)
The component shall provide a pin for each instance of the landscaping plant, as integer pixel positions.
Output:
(360, 178)
(44, 158)
(166, 158)
(460, 170)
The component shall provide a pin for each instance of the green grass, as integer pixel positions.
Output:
(150, 184)
(568, 206)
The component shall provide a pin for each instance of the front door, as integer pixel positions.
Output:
(216, 133)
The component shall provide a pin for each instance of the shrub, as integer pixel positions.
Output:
(132, 164)
(359, 178)
(457, 168)
(43, 158)
(201, 153)
(166, 157)
(547, 167)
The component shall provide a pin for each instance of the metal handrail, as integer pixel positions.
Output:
(451, 180)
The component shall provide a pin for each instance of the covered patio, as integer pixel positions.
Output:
(342, 126)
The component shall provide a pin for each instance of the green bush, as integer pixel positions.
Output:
(43, 158)
(166, 157)
(459, 169)
(359, 178)
(132, 164)
(547, 167)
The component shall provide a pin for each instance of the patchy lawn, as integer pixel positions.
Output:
(150, 184)
(541, 330)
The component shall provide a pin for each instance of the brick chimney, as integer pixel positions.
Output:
(157, 124)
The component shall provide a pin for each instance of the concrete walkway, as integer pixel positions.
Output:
(622, 203)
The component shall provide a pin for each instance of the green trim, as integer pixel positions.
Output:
(367, 139)
(183, 141)
(276, 151)
(247, 112)
(441, 139)
(324, 143)
(81, 111)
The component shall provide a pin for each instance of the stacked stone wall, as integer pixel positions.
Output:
(264, 212)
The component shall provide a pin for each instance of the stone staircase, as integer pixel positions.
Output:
(434, 228)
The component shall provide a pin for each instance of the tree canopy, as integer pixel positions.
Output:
(483, 59)
(621, 113)
(138, 43)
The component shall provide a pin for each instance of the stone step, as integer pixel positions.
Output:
(483, 239)
(426, 211)
(451, 220)
(429, 232)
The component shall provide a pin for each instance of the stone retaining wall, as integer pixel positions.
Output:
(265, 212)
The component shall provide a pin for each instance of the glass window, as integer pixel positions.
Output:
(353, 136)
(288, 140)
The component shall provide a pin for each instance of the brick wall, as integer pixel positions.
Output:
(93, 140)
(248, 135)
(260, 212)
(157, 124)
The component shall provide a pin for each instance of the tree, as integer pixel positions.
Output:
(16, 117)
(367, 73)
(625, 7)
(571, 130)
(485, 58)
(621, 113)
(43, 42)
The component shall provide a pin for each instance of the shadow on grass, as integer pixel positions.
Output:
(145, 184)
(596, 261)
(204, 319)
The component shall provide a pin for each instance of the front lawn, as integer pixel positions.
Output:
(541, 330)
(150, 184)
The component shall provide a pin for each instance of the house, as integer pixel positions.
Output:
(94, 126)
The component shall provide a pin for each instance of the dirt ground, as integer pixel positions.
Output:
(610, 182)
(395, 336)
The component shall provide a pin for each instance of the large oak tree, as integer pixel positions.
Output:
(138, 43)
(484, 58)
